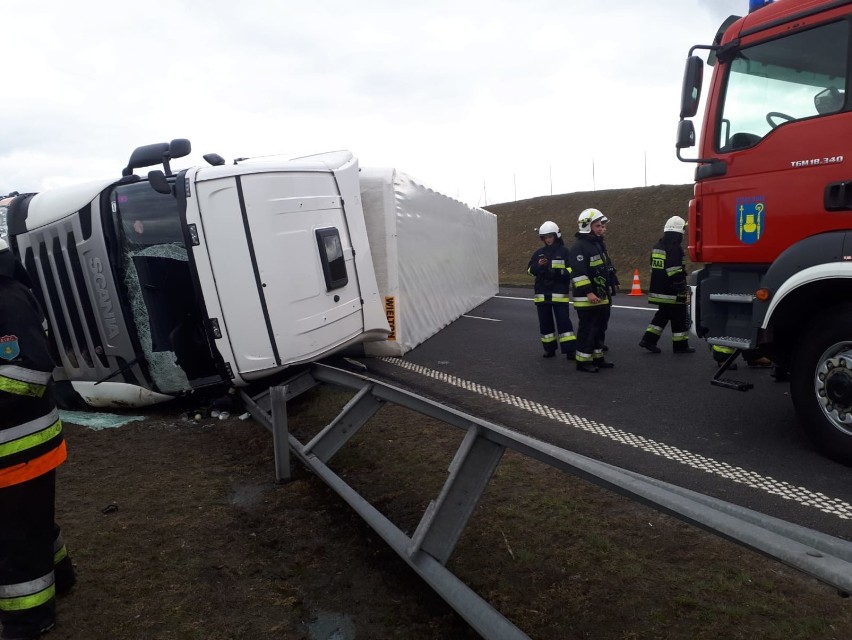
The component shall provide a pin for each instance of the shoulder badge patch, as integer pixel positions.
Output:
(9, 347)
(580, 257)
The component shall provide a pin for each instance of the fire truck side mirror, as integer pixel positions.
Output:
(685, 134)
(690, 96)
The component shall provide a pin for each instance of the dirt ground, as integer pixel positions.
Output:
(179, 531)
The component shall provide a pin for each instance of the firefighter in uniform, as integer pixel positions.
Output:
(549, 265)
(668, 290)
(590, 291)
(612, 276)
(34, 564)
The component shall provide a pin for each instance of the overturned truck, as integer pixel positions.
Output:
(229, 273)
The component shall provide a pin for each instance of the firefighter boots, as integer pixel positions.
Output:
(650, 347)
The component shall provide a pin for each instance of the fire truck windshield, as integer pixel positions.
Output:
(799, 76)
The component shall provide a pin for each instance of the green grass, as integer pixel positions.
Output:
(562, 558)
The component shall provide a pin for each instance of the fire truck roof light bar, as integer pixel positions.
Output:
(754, 5)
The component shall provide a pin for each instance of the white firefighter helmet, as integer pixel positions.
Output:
(549, 227)
(587, 217)
(675, 223)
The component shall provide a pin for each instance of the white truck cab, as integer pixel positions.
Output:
(155, 287)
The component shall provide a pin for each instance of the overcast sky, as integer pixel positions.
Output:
(486, 101)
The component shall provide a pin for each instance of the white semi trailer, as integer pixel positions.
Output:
(229, 273)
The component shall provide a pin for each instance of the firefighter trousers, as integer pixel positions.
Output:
(591, 332)
(677, 315)
(559, 334)
(31, 548)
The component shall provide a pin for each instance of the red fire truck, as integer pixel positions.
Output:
(771, 216)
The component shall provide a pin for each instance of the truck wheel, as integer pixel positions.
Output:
(821, 383)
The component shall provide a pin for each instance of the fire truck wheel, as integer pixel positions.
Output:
(821, 383)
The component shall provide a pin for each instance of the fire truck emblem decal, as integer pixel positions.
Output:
(750, 219)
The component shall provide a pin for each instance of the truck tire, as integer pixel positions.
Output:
(821, 383)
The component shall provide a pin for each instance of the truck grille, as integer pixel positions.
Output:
(86, 321)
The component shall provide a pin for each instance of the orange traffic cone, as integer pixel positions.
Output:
(636, 290)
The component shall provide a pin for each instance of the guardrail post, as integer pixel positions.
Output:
(348, 422)
(280, 433)
(445, 519)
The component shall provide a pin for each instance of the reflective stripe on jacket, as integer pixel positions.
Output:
(23, 382)
(589, 271)
(31, 440)
(552, 280)
(668, 271)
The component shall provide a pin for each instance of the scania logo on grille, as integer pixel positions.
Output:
(104, 299)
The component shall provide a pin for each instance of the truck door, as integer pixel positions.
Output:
(283, 262)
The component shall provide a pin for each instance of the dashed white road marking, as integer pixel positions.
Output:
(481, 318)
(785, 490)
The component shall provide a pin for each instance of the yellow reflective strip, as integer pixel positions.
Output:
(559, 298)
(23, 374)
(28, 442)
(10, 385)
(28, 602)
(60, 555)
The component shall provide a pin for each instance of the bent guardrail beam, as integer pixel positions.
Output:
(427, 551)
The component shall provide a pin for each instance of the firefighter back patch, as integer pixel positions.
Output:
(9, 347)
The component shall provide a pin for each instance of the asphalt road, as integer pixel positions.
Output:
(656, 414)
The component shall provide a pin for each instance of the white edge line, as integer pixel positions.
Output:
(739, 475)
(615, 306)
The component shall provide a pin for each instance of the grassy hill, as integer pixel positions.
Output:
(636, 223)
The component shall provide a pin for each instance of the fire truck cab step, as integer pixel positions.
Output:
(741, 298)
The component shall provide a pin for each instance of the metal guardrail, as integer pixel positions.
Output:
(429, 548)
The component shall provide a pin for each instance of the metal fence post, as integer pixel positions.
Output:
(280, 432)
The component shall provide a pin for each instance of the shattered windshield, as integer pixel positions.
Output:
(155, 270)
